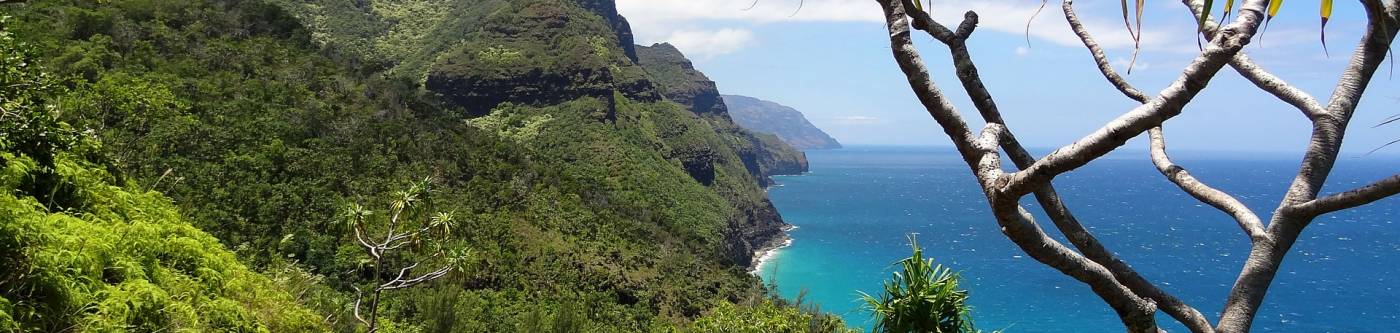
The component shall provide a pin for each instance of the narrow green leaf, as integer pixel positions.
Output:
(1274, 5)
(1322, 32)
(1205, 12)
(1229, 7)
(1125, 17)
(1201, 23)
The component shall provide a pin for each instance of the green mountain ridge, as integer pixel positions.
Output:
(763, 155)
(772, 118)
(591, 200)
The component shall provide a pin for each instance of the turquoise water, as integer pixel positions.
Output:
(855, 207)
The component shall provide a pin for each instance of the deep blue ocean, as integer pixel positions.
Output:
(856, 206)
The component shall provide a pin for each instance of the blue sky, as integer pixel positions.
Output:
(832, 61)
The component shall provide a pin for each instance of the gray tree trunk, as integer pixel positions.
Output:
(1134, 298)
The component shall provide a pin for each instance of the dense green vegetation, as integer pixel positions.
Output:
(81, 252)
(609, 210)
(677, 79)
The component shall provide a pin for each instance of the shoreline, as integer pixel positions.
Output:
(765, 253)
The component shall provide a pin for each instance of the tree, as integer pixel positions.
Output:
(401, 233)
(1132, 297)
(922, 297)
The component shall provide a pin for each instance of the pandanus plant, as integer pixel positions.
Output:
(402, 230)
(921, 297)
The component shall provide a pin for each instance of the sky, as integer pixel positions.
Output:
(831, 60)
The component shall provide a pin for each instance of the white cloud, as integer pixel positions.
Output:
(706, 44)
(1022, 50)
(656, 18)
(1124, 63)
(855, 120)
(763, 11)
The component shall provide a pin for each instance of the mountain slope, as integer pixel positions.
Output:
(598, 113)
(677, 79)
(592, 203)
(773, 118)
(80, 251)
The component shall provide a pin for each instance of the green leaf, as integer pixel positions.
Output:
(1322, 32)
(1205, 12)
(1274, 5)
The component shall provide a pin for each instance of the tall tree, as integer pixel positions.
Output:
(1135, 299)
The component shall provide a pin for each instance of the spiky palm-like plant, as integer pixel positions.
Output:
(923, 297)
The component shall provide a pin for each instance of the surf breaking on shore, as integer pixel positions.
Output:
(765, 253)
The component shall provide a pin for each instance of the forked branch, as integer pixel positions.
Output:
(402, 211)
(1016, 223)
(1100, 58)
(1049, 200)
(1248, 221)
(1167, 104)
(1261, 78)
(1380, 189)
(1246, 218)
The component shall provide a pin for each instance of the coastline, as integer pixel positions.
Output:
(765, 253)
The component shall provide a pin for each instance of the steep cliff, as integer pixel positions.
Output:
(679, 81)
(583, 193)
(607, 9)
(787, 123)
(544, 54)
(563, 79)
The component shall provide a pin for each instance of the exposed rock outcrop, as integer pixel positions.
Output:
(544, 55)
(680, 81)
(758, 224)
(607, 9)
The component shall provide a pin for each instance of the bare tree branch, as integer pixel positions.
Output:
(1046, 196)
(359, 236)
(1167, 104)
(359, 296)
(1321, 155)
(1099, 57)
(1127, 293)
(1246, 218)
(401, 283)
(1380, 189)
(1016, 224)
(404, 238)
(1261, 78)
(1248, 221)
(928, 94)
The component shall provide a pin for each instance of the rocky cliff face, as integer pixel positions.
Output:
(680, 81)
(515, 69)
(607, 9)
(544, 55)
(773, 118)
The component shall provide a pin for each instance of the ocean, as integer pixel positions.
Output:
(856, 206)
